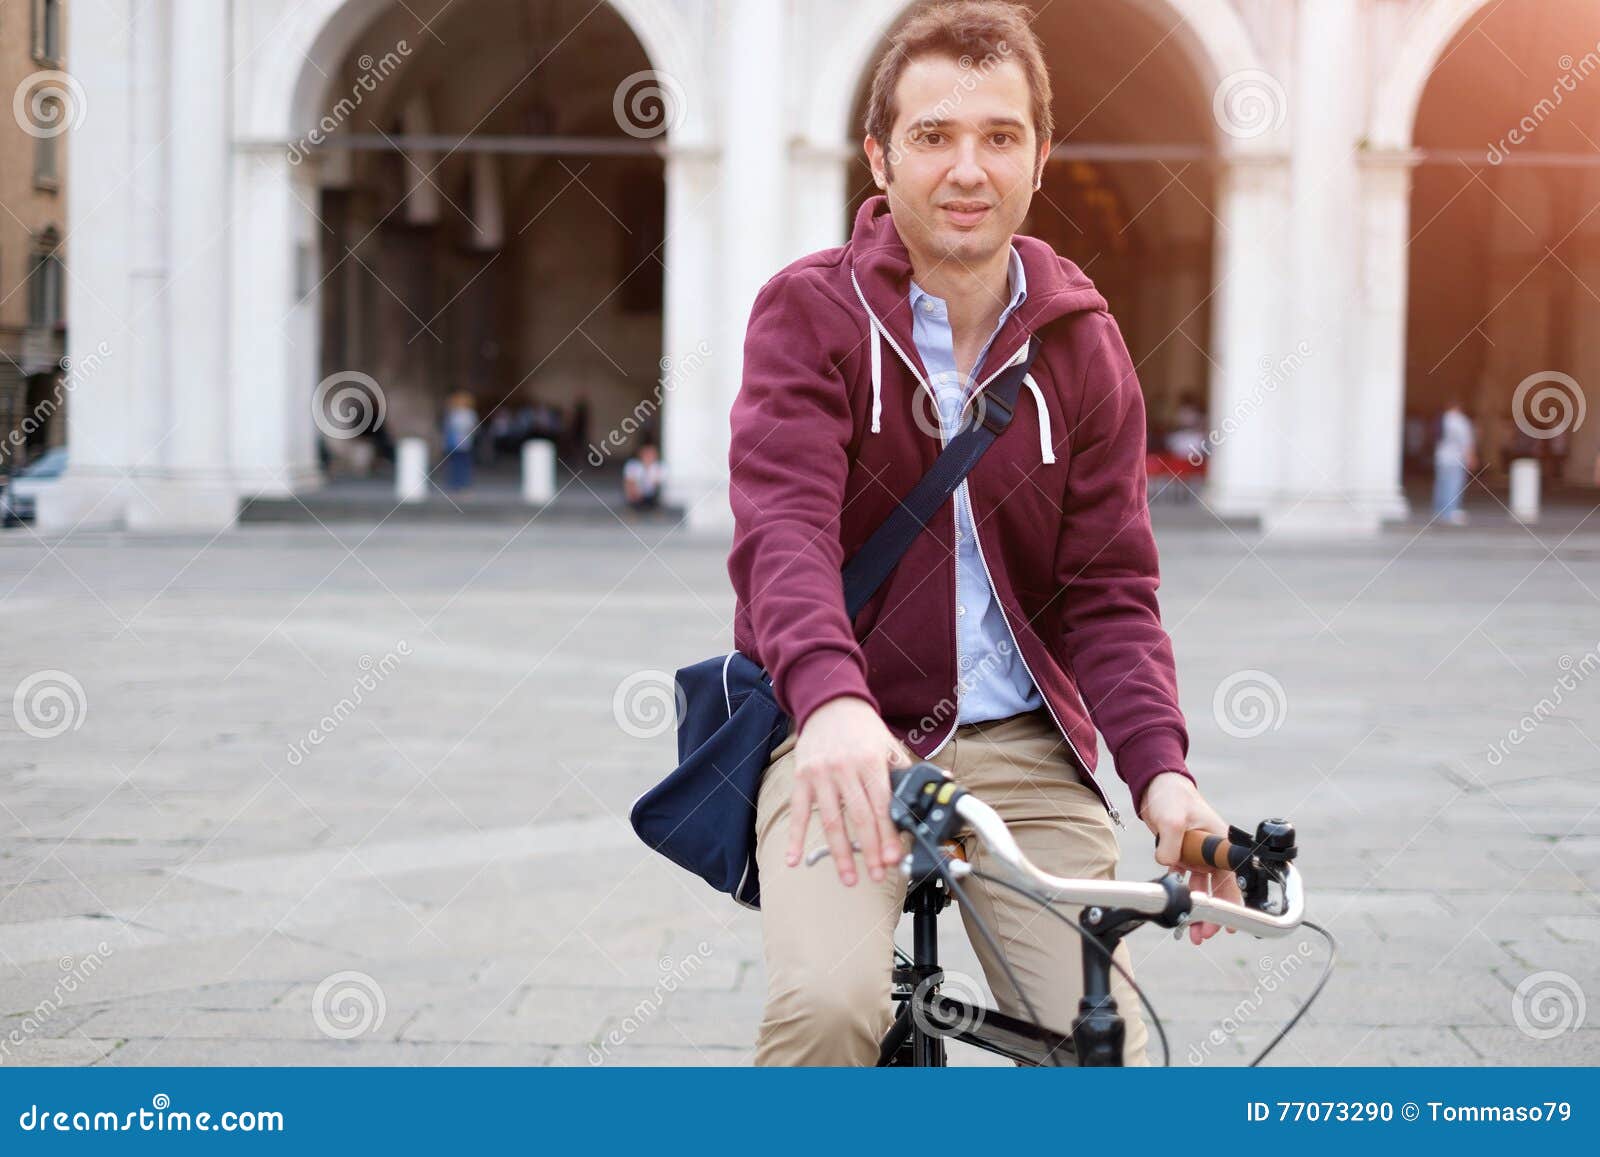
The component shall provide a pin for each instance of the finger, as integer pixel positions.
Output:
(858, 810)
(1169, 844)
(878, 798)
(833, 828)
(799, 820)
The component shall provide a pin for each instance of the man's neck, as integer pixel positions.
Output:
(975, 296)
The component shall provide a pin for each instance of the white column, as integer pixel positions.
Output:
(1254, 366)
(1314, 496)
(1380, 384)
(192, 487)
(819, 177)
(274, 255)
(111, 59)
(753, 200)
(694, 412)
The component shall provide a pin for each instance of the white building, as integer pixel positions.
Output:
(1315, 213)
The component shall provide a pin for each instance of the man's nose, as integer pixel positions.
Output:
(966, 170)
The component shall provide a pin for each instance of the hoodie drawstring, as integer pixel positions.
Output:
(877, 374)
(1046, 452)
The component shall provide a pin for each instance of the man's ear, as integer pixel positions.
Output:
(874, 159)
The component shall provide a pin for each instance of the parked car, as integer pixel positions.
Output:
(18, 498)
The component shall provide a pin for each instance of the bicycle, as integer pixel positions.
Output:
(933, 808)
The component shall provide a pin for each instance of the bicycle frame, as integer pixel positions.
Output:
(926, 1017)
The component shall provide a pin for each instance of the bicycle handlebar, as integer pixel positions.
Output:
(1149, 898)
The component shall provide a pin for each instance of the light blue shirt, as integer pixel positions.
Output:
(991, 681)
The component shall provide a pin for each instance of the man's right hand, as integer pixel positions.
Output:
(842, 762)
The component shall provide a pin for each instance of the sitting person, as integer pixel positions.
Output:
(642, 477)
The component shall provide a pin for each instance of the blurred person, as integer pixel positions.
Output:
(1454, 457)
(642, 478)
(1187, 438)
(460, 432)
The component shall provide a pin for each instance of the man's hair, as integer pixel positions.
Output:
(979, 33)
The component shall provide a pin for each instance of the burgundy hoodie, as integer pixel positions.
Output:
(829, 434)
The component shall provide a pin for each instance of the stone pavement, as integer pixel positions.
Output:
(302, 795)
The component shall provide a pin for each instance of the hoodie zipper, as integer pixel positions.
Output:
(1105, 800)
(955, 570)
(977, 540)
(872, 320)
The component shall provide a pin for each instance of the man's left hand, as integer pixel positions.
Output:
(1172, 806)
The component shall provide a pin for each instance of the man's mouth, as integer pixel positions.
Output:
(966, 213)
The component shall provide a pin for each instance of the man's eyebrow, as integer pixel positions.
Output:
(944, 122)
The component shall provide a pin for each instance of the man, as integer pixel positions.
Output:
(642, 478)
(1027, 603)
(1455, 456)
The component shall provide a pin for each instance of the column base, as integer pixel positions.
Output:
(705, 507)
(1321, 516)
(78, 501)
(182, 505)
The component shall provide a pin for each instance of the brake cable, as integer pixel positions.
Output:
(1049, 906)
(1327, 974)
(948, 875)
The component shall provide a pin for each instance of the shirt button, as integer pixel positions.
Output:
(928, 306)
(966, 662)
(960, 610)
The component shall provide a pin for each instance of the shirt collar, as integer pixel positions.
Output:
(1018, 281)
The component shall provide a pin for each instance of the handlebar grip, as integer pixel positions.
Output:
(1205, 851)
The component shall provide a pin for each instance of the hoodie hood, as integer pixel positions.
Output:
(880, 271)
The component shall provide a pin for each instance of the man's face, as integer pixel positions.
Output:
(960, 169)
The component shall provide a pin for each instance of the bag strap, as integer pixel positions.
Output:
(880, 554)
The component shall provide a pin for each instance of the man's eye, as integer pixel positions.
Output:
(1003, 139)
(931, 138)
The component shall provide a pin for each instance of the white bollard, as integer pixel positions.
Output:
(538, 471)
(1525, 489)
(411, 470)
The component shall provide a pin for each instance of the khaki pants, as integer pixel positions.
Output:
(829, 949)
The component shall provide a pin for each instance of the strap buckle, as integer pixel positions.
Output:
(996, 414)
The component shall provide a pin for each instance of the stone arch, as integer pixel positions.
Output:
(288, 90)
(1431, 31)
(1211, 33)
